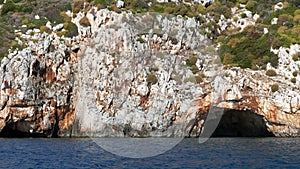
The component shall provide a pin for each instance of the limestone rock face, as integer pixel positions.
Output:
(36, 88)
(133, 79)
(137, 76)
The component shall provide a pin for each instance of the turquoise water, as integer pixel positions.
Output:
(215, 153)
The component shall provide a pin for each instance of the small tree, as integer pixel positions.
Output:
(274, 87)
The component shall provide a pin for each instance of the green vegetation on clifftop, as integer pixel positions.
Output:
(15, 13)
(249, 48)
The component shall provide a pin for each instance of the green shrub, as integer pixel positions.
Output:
(274, 87)
(78, 5)
(247, 47)
(14, 44)
(243, 15)
(295, 73)
(37, 23)
(194, 69)
(8, 6)
(85, 21)
(61, 33)
(65, 17)
(68, 6)
(31, 26)
(191, 60)
(71, 29)
(54, 16)
(158, 8)
(114, 8)
(285, 19)
(276, 43)
(297, 19)
(199, 78)
(26, 7)
(250, 5)
(44, 29)
(293, 80)
(297, 12)
(271, 72)
(228, 59)
(295, 57)
(25, 21)
(151, 78)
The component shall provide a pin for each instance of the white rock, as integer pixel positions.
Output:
(48, 24)
(274, 21)
(278, 6)
(58, 27)
(120, 4)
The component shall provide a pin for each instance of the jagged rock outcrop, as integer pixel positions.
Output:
(129, 75)
(37, 87)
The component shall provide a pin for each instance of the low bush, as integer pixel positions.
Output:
(37, 23)
(78, 5)
(85, 21)
(194, 69)
(8, 6)
(243, 15)
(271, 72)
(44, 29)
(191, 61)
(26, 8)
(151, 78)
(199, 78)
(72, 29)
(293, 80)
(25, 21)
(295, 57)
(295, 73)
(274, 88)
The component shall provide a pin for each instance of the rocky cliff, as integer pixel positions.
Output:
(139, 76)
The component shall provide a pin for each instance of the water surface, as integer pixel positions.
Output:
(215, 153)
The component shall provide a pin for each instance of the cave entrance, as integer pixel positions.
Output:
(11, 131)
(241, 124)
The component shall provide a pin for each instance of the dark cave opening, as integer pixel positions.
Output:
(241, 124)
(11, 131)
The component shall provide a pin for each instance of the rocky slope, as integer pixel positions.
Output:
(138, 76)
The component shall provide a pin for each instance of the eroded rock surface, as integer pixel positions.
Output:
(129, 75)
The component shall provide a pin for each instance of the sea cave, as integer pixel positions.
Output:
(237, 123)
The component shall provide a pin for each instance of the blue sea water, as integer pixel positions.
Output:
(215, 153)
